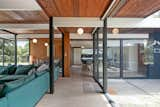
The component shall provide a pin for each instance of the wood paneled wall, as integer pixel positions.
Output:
(38, 51)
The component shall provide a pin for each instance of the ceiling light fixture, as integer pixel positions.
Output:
(80, 31)
(34, 41)
(115, 31)
(46, 44)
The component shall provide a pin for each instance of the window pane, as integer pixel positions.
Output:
(100, 58)
(8, 52)
(22, 52)
(113, 57)
(133, 58)
(1, 51)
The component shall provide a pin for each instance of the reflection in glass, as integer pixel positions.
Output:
(100, 62)
(133, 58)
(113, 57)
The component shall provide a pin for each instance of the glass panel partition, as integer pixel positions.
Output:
(133, 58)
(100, 57)
(113, 57)
(1, 52)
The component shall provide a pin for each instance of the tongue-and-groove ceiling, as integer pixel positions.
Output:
(23, 16)
(138, 8)
(76, 8)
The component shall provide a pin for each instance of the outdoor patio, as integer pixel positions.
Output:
(135, 92)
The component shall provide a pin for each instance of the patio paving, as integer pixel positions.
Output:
(135, 92)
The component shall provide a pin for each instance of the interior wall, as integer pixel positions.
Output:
(131, 58)
(38, 51)
(76, 56)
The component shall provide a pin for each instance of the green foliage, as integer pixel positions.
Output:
(9, 48)
(23, 53)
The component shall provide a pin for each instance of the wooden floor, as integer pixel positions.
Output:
(79, 90)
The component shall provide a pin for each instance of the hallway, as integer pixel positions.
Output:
(79, 90)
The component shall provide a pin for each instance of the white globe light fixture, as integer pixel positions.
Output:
(115, 31)
(46, 44)
(80, 31)
(34, 41)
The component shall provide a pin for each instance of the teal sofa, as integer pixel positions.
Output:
(24, 90)
(28, 93)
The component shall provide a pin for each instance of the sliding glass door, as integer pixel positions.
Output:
(126, 58)
(133, 58)
(113, 57)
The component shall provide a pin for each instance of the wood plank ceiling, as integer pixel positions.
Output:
(77, 8)
(74, 8)
(23, 17)
(139, 8)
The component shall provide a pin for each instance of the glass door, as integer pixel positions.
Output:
(133, 58)
(113, 57)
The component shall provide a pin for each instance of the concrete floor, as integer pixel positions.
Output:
(78, 91)
(135, 92)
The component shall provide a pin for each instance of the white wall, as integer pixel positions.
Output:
(76, 56)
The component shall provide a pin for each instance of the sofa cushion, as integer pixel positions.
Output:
(29, 78)
(1, 89)
(11, 69)
(23, 69)
(8, 78)
(4, 70)
(1, 69)
(10, 86)
(43, 67)
(39, 73)
(32, 71)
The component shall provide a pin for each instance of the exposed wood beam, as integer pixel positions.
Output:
(90, 22)
(24, 26)
(78, 22)
(60, 22)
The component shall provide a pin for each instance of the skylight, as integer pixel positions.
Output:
(155, 15)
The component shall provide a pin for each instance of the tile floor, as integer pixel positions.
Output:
(78, 91)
